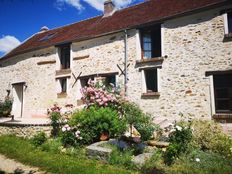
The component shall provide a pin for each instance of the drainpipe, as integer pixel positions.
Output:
(125, 62)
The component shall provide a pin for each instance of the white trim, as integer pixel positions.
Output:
(71, 56)
(226, 29)
(138, 46)
(57, 56)
(162, 41)
(158, 80)
(144, 86)
(212, 102)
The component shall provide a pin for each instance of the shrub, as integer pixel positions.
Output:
(39, 139)
(5, 107)
(94, 121)
(142, 122)
(208, 135)
(179, 139)
(55, 117)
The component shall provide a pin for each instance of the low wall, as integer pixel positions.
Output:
(24, 130)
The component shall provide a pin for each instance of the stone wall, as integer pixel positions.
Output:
(193, 45)
(26, 131)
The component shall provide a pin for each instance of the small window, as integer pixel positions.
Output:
(84, 81)
(65, 56)
(63, 85)
(110, 80)
(47, 37)
(151, 42)
(223, 93)
(151, 80)
(229, 18)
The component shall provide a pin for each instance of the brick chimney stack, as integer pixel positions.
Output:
(109, 8)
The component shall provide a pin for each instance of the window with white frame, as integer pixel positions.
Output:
(63, 85)
(228, 21)
(64, 55)
(150, 78)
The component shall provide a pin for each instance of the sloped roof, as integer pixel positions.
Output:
(131, 17)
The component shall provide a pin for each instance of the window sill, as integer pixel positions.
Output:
(62, 95)
(150, 95)
(219, 116)
(63, 73)
(227, 37)
(158, 59)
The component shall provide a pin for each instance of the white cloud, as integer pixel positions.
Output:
(7, 43)
(97, 4)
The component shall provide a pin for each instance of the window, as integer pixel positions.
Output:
(229, 20)
(65, 56)
(63, 85)
(223, 93)
(84, 81)
(151, 42)
(151, 80)
(110, 80)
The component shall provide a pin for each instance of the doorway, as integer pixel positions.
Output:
(17, 108)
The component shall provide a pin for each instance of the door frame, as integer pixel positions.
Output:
(21, 84)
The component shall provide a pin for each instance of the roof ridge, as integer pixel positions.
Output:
(126, 8)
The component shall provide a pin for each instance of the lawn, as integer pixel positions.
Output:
(23, 151)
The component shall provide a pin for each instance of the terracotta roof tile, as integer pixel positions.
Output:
(131, 17)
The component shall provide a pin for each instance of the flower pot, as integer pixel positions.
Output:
(104, 136)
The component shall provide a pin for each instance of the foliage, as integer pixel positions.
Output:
(208, 135)
(70, 136)
(52, 145)
(142, 122)
(55, 117)
(39, 139)
(155, 164)
(100, 95)
(121, 158)
(93, 121)
(199, 162)
(51, 162)
(179, 142)
(5, 107)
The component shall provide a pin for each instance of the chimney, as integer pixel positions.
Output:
(109, 8)
(43, 29)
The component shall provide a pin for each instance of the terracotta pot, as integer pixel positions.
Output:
(104, 136)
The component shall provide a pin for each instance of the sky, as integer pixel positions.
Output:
(20, 19)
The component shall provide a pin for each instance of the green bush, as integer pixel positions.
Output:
(179, 142)
(141, 121)
(39, 139)
(5, 107)
(208, 135)
(55, 118)
(95, 120)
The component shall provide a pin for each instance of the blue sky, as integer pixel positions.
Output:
(19, 19)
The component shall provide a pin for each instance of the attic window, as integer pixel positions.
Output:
(47, 37)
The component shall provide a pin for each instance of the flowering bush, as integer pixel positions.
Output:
(55, 117)
(98, 95)
(180, 138)
(70, 136)
(94, 121)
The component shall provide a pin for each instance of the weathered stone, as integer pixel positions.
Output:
(158, 144)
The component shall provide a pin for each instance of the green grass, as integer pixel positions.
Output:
(23, 151)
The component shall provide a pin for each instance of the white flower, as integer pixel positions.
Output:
(68, 128)
(127, 134)
(197, 160)
(78, 132)
(63, 129)
(178, 128)
(80, 138)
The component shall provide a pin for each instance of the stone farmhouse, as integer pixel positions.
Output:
(171, 57)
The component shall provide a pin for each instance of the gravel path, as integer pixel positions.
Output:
(9, 166)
